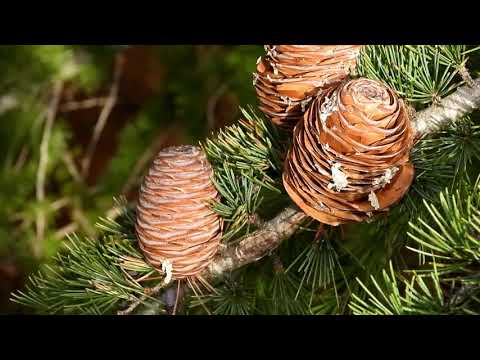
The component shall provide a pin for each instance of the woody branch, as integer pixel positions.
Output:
(271, 234)
(463, 101)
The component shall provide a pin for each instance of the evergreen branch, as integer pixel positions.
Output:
(462, 102)
(385, 296)
(420, 74)
(246, 157)
(450, 235)
(287, 295)
(254, 143)
(247, 162)
(240, 199)
(92, 276)
(452, 108)
(232, 298)
(255, 246)
(319, 261)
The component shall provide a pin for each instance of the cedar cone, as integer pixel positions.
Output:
(350, 153)
(289, 76)
(175, 222)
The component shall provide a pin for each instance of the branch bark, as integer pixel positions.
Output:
(462, 102)
(257, 245)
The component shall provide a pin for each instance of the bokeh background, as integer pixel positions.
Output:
(79, 126)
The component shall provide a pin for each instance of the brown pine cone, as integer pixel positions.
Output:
(289, 76)
(350, 154)
(175, 223)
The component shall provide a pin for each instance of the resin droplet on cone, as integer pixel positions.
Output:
(175, 223)
(290, 75)
(350, 153)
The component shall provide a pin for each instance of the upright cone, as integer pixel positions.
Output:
(289, 76)
(175, 224)
(350, 154)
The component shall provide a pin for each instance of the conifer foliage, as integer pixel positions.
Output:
(344, 133)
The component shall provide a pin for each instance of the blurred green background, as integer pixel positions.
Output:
(79, 126)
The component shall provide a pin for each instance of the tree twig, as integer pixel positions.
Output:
(257, 245)
(65, 231)
(22, 157)
(67, 159)
(149, 292)
(83, 104)
(104, 114)
(82, 220)
(42, 165)
(143, 161)
(212, 105)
